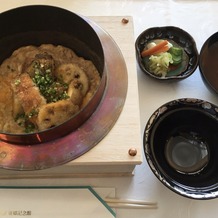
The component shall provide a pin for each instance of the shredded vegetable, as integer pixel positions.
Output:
(159, 64)
(160, 56)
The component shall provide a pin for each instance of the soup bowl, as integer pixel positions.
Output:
(180, 145)
(208, 62)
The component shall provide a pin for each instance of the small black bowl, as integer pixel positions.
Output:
(208, 62)
(180, 144)
(179, 36)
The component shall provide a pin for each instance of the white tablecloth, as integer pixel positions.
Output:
(200, 19)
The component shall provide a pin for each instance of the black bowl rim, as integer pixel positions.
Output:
(179, 77)
(204, 193)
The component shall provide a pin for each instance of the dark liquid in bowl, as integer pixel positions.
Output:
(187, 152)
(194, 127)
(209, 65)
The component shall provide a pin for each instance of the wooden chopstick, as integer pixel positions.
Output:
(129, 203)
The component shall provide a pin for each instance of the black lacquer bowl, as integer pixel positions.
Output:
(36, 25)
(180, 144)
(208, 63)
(177, 35)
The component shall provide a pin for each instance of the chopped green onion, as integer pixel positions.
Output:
(52, 89)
